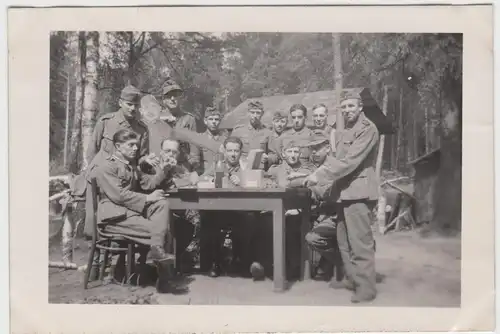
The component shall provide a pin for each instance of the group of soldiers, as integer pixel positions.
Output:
(136, 156)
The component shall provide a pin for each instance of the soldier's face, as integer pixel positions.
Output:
(130, 109)
(169, 150)
(255, 116)
(128, 148)
(319, 153)
(291, 155)
(212, 122)
(171, 100)
(351, 109)
(298, 119)
(279, 124)
(319, 117)
(232, 153)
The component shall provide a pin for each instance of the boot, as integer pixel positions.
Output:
(158, 254)
(343, 284)
(215, 271)
(162, 283)
(362, 296)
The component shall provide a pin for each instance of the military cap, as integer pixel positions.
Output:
(349, 94)
(130, 94)
(290, 142)
(171, 86)
(317, 138)
(278, 114)
(255, 105)
(211, 111)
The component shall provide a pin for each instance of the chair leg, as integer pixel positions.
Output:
(130, 260)
(89, 266)
(104, 263)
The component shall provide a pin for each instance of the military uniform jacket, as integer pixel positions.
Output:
(352, 169)
(102, 146)
(281, 172)
(207, 157)
(122, 189)
(252, 138)
(188, 153)
(275, 148)
(301, 137)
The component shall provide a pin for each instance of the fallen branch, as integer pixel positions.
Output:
(394, 180)
(63, 265)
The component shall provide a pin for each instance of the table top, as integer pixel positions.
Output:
(242, 192)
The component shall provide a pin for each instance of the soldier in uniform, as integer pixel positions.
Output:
(172, 113)
(299, 132)
(320, 119)
(280, 121)
(254, 135)
(213, 222)
(101, 145)
(124, 208)
(352, 172)
(212, 122)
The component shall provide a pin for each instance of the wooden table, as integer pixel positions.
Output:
(277, 200)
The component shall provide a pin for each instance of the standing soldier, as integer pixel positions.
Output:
(352, 172)
(299, 132)
(212, 122)
(172, 113)
(254, 135)
(280, 120)
(320, 120)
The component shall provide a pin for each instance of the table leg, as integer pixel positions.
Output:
(279, 246)
(305, 261)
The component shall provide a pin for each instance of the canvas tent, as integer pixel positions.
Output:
(327, 97)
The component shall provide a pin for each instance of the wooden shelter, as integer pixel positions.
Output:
(426, 173)
(283, 102)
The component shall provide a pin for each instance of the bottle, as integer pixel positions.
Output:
(219, 171)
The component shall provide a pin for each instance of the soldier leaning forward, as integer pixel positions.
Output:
(124, 208)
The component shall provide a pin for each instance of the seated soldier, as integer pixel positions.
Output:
(124, 208)
(213, 222)
(178, 176)
(322, 238)
(289, 174)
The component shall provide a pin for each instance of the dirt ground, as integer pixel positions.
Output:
(418, 272)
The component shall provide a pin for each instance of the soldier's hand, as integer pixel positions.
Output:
(311, 180)
(152, 160)
(194, 178)
(156, 196)
(170, 119)
(234, 180)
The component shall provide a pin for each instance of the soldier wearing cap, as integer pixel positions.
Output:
(299, 131)
(212, 121)
(352, 172)
(172, 113)
(254, 134)
(280, 121)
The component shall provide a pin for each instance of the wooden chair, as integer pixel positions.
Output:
(106, 242)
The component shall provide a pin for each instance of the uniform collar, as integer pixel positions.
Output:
(300, 131)
(250, 126)
(210, 135)
(277, 135)
(359, 122)
(121, 118)
(120, 159)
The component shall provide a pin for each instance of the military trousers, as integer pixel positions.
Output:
(357, 244)
(154, 225)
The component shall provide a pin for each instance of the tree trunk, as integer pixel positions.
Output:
(76, 132)
(339, 84)
(90, 97)
(400, 129)
(378, 168)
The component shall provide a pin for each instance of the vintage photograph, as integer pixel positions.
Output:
(245, 168)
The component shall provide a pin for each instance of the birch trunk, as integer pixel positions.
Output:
(78, 43)
(338, 77)
(90, 111)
